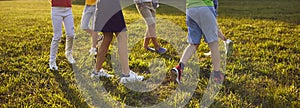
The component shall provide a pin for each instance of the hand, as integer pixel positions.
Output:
(155, 5)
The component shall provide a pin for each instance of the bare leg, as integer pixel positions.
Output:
(221, 35)
(95, 37)
(152, 35)
(215, 55)
(146, 42)
(102, 51)
(188, 52)
(123, 52)
(155, 42)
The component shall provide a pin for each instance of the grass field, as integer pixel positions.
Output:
(262, 72)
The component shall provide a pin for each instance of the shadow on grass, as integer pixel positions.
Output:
(70, 93)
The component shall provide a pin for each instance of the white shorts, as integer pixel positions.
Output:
(87, 21)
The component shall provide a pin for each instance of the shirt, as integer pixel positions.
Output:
(90, 2)
(61, 3)
(197, 3)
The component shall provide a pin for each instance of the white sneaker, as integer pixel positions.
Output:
(100, 73)
(208, 53)
(228, 47)
(93, 51)
(70, 58)
(52, 65)
(131, 78)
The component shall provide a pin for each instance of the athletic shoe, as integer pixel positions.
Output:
(52, 65)
(161, 50)
(151, 49)
(70, 58)
(132, 77)
(93, 51)
(101, 73)
(229, 47)
(218, 77)
(208, 53)
(178, 71)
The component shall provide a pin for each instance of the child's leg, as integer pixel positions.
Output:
(152, 29)
(85, 19)
(123, 52)
(102, 50)
(148, 13)
(57, 29)
(188, 52)
(155, 42)
(95, 38)
(221, 35)
(215, 55)
(150, 34)
(69, 27)
(146, 41)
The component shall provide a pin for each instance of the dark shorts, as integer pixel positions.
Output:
(109, 17)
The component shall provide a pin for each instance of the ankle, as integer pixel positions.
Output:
(181, 65)
(146, 47)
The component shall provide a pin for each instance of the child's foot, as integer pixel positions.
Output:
(70, 58)
(218, 77)
(161, 50)
(208, 53)
(100, 74)
(228, 47)
(178, 71)
(132, 77)
(52, 65)
(93, 51)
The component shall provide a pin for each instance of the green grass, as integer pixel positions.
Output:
(262, 72)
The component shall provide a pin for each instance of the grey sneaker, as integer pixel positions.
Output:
(52, 65)
(100, 74)
(70, 58)
(132, 77)
(228, 47)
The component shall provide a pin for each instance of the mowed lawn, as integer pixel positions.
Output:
(264, 70)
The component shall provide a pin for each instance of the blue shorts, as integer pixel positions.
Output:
(87, 19)
(201, 21)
